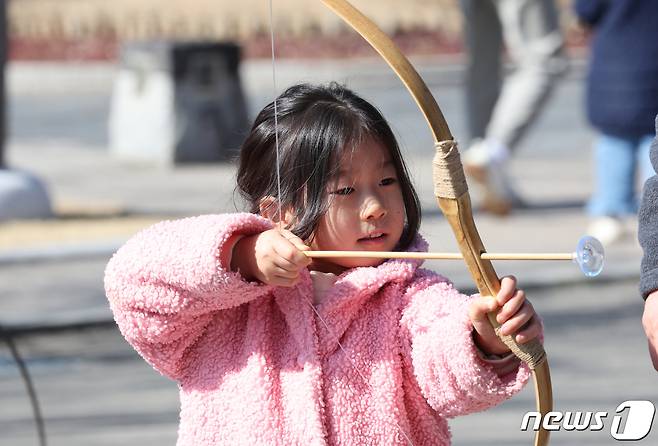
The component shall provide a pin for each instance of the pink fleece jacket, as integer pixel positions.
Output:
(256, 366)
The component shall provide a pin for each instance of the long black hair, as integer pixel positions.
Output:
(316, 125)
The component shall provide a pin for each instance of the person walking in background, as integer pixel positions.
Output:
(499, 113)
(622, 101)
(648, 237)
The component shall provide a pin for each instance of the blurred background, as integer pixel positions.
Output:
(121, 114)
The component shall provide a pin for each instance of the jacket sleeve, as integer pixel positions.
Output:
(447, 365)
(648, 228)
(168, 282)
(590, 12)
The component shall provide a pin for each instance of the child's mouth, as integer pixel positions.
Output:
(374, 238)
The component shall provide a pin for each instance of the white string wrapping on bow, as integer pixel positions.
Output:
(347, 354)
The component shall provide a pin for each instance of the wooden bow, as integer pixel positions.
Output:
(452, 195)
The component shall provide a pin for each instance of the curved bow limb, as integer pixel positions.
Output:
(452, 195)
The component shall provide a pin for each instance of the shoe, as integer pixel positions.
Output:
(607, 229)
(490, 175)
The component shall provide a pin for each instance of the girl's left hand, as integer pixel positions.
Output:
(515, 314)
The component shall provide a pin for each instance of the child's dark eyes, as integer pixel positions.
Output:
(349, 190)
(343, 191)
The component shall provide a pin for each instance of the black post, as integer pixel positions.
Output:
(3, 62)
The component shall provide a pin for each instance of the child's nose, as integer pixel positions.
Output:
(373, 209)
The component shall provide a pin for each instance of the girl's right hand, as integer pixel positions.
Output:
(274, 257)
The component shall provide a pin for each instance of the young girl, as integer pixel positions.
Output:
(271, 348)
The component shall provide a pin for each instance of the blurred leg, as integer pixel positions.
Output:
(646, 170)
(534, 43)
(483, 37)
(614, 190)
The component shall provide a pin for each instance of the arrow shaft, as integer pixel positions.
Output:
(437, 255)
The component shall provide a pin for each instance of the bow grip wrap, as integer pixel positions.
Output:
(447, 171)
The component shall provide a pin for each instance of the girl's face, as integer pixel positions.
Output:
(366, 210)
